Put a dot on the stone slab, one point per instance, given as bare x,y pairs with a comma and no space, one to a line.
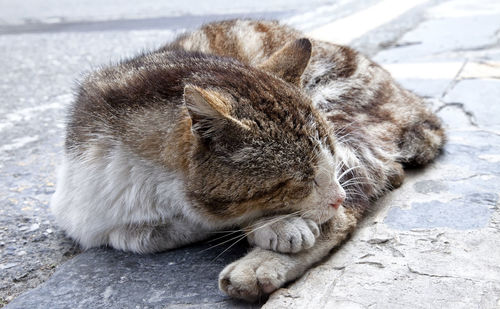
427,79
437,38
479,97
106,278
424,87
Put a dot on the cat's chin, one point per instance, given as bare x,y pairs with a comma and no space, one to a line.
321,218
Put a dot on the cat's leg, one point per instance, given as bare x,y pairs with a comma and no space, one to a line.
153,238
421,142
287,234
262,271
396,175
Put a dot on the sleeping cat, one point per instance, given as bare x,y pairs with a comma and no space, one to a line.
376,127
163,148
286,140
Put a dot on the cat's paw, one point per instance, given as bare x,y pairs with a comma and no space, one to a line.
286,235
253,276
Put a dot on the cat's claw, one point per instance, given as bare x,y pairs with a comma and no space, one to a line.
287,235
253,276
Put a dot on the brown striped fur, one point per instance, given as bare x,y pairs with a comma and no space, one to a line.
365,107
377,126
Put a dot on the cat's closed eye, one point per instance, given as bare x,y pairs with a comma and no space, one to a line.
300,190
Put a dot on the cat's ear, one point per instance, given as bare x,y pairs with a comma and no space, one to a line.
290,61
209,110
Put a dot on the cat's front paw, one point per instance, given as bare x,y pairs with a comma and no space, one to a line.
283,234
253,276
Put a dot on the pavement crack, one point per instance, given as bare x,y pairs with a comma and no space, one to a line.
377,241
475,48
489,131
405,44
455,79
331,286
468,177
413,271
376,264
461,106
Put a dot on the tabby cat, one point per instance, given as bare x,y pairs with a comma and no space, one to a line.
376,127
241,123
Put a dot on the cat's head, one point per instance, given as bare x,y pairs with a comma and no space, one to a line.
260,148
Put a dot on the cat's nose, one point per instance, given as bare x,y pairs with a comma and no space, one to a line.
337,202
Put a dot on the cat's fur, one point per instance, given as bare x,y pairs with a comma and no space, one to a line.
378,127
166,147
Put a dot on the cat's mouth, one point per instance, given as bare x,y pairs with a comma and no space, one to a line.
336,206
337,203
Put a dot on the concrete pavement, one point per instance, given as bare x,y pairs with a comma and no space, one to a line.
432,243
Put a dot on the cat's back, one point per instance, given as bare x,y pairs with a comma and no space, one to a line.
140,96
249,41
343,84
332,67
138,83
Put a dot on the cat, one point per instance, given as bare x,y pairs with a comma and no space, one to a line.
168,146
289,141
377,128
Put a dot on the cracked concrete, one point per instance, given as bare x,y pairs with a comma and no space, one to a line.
452,120
479,99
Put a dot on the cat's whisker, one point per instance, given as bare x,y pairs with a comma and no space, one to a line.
351,194
224,231
354,178
224,242
352,182
348,170
240,237
355,186
236,231
226,234
229,248
305,213
353,190
339,167
358,180
356,193
274,220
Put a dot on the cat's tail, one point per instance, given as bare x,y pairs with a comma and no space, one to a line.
422,140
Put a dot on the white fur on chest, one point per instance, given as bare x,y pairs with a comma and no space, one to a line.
97,193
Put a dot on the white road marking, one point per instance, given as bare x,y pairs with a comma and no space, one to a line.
424,70
465,8
346,29
316,17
